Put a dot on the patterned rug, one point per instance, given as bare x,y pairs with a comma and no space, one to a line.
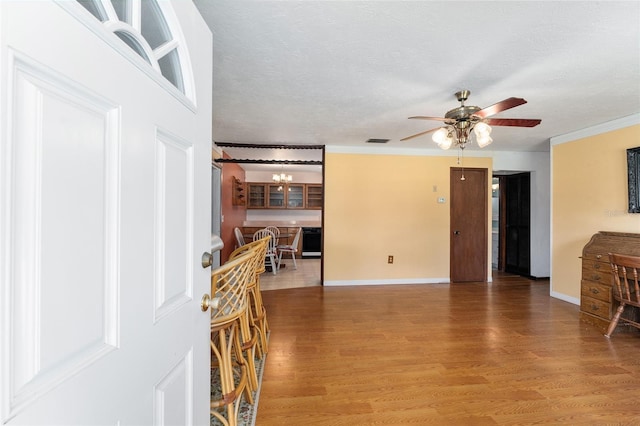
247,412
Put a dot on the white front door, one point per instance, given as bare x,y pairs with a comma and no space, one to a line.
105,205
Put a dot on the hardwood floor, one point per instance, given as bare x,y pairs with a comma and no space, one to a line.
463,354
307,275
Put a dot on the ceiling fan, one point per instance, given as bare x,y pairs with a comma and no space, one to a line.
460,121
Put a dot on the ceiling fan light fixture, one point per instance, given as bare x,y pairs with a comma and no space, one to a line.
482,128
443,138
447,143
483,140
461,120
482,131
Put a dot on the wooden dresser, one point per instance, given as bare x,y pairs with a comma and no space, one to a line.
596,300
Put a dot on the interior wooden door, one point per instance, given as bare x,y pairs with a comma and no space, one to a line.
468,242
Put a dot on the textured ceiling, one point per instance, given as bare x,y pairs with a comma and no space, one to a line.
341,72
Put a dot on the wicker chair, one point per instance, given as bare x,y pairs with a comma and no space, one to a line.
249,329
256,308
229,308
626,287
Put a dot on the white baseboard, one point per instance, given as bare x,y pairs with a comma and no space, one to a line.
342,283
564,297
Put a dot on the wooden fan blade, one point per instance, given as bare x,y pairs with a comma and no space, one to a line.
419,134
422,117
516,122
499,107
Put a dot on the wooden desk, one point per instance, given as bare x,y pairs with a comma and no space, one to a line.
596,299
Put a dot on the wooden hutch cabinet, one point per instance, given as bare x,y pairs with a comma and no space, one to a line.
262,195
597,305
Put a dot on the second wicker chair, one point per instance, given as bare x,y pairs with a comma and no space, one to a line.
256,307
228,316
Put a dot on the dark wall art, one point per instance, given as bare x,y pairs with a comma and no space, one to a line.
633,168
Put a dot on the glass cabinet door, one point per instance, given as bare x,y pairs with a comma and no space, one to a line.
257,196
295,196
276,196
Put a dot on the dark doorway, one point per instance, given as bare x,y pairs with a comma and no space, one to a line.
468,246
517,223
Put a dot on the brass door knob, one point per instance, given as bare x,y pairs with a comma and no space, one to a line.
208,302
204,303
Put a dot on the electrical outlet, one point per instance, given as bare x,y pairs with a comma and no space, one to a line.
390,259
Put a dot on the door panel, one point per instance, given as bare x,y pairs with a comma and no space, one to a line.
469,217
104,211
55,247
173,230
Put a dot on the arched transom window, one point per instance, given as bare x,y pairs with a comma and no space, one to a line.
142,26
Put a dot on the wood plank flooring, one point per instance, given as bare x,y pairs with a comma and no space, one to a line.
306,275
504,353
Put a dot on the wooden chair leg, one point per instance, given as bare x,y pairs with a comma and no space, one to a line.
614,320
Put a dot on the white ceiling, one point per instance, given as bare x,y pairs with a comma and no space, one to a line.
341,72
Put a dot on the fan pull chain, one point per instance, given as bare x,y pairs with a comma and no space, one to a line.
461,161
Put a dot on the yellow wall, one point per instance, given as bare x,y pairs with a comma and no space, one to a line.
589,184
380,205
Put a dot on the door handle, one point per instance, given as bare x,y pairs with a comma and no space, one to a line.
207,259
207,302
456,232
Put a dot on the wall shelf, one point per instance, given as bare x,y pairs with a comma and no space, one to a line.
238,197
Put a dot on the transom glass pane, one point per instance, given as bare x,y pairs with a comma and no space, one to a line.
170,68
95,8
133,44
153,26
121,8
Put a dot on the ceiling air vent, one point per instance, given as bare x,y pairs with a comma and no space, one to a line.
377,140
